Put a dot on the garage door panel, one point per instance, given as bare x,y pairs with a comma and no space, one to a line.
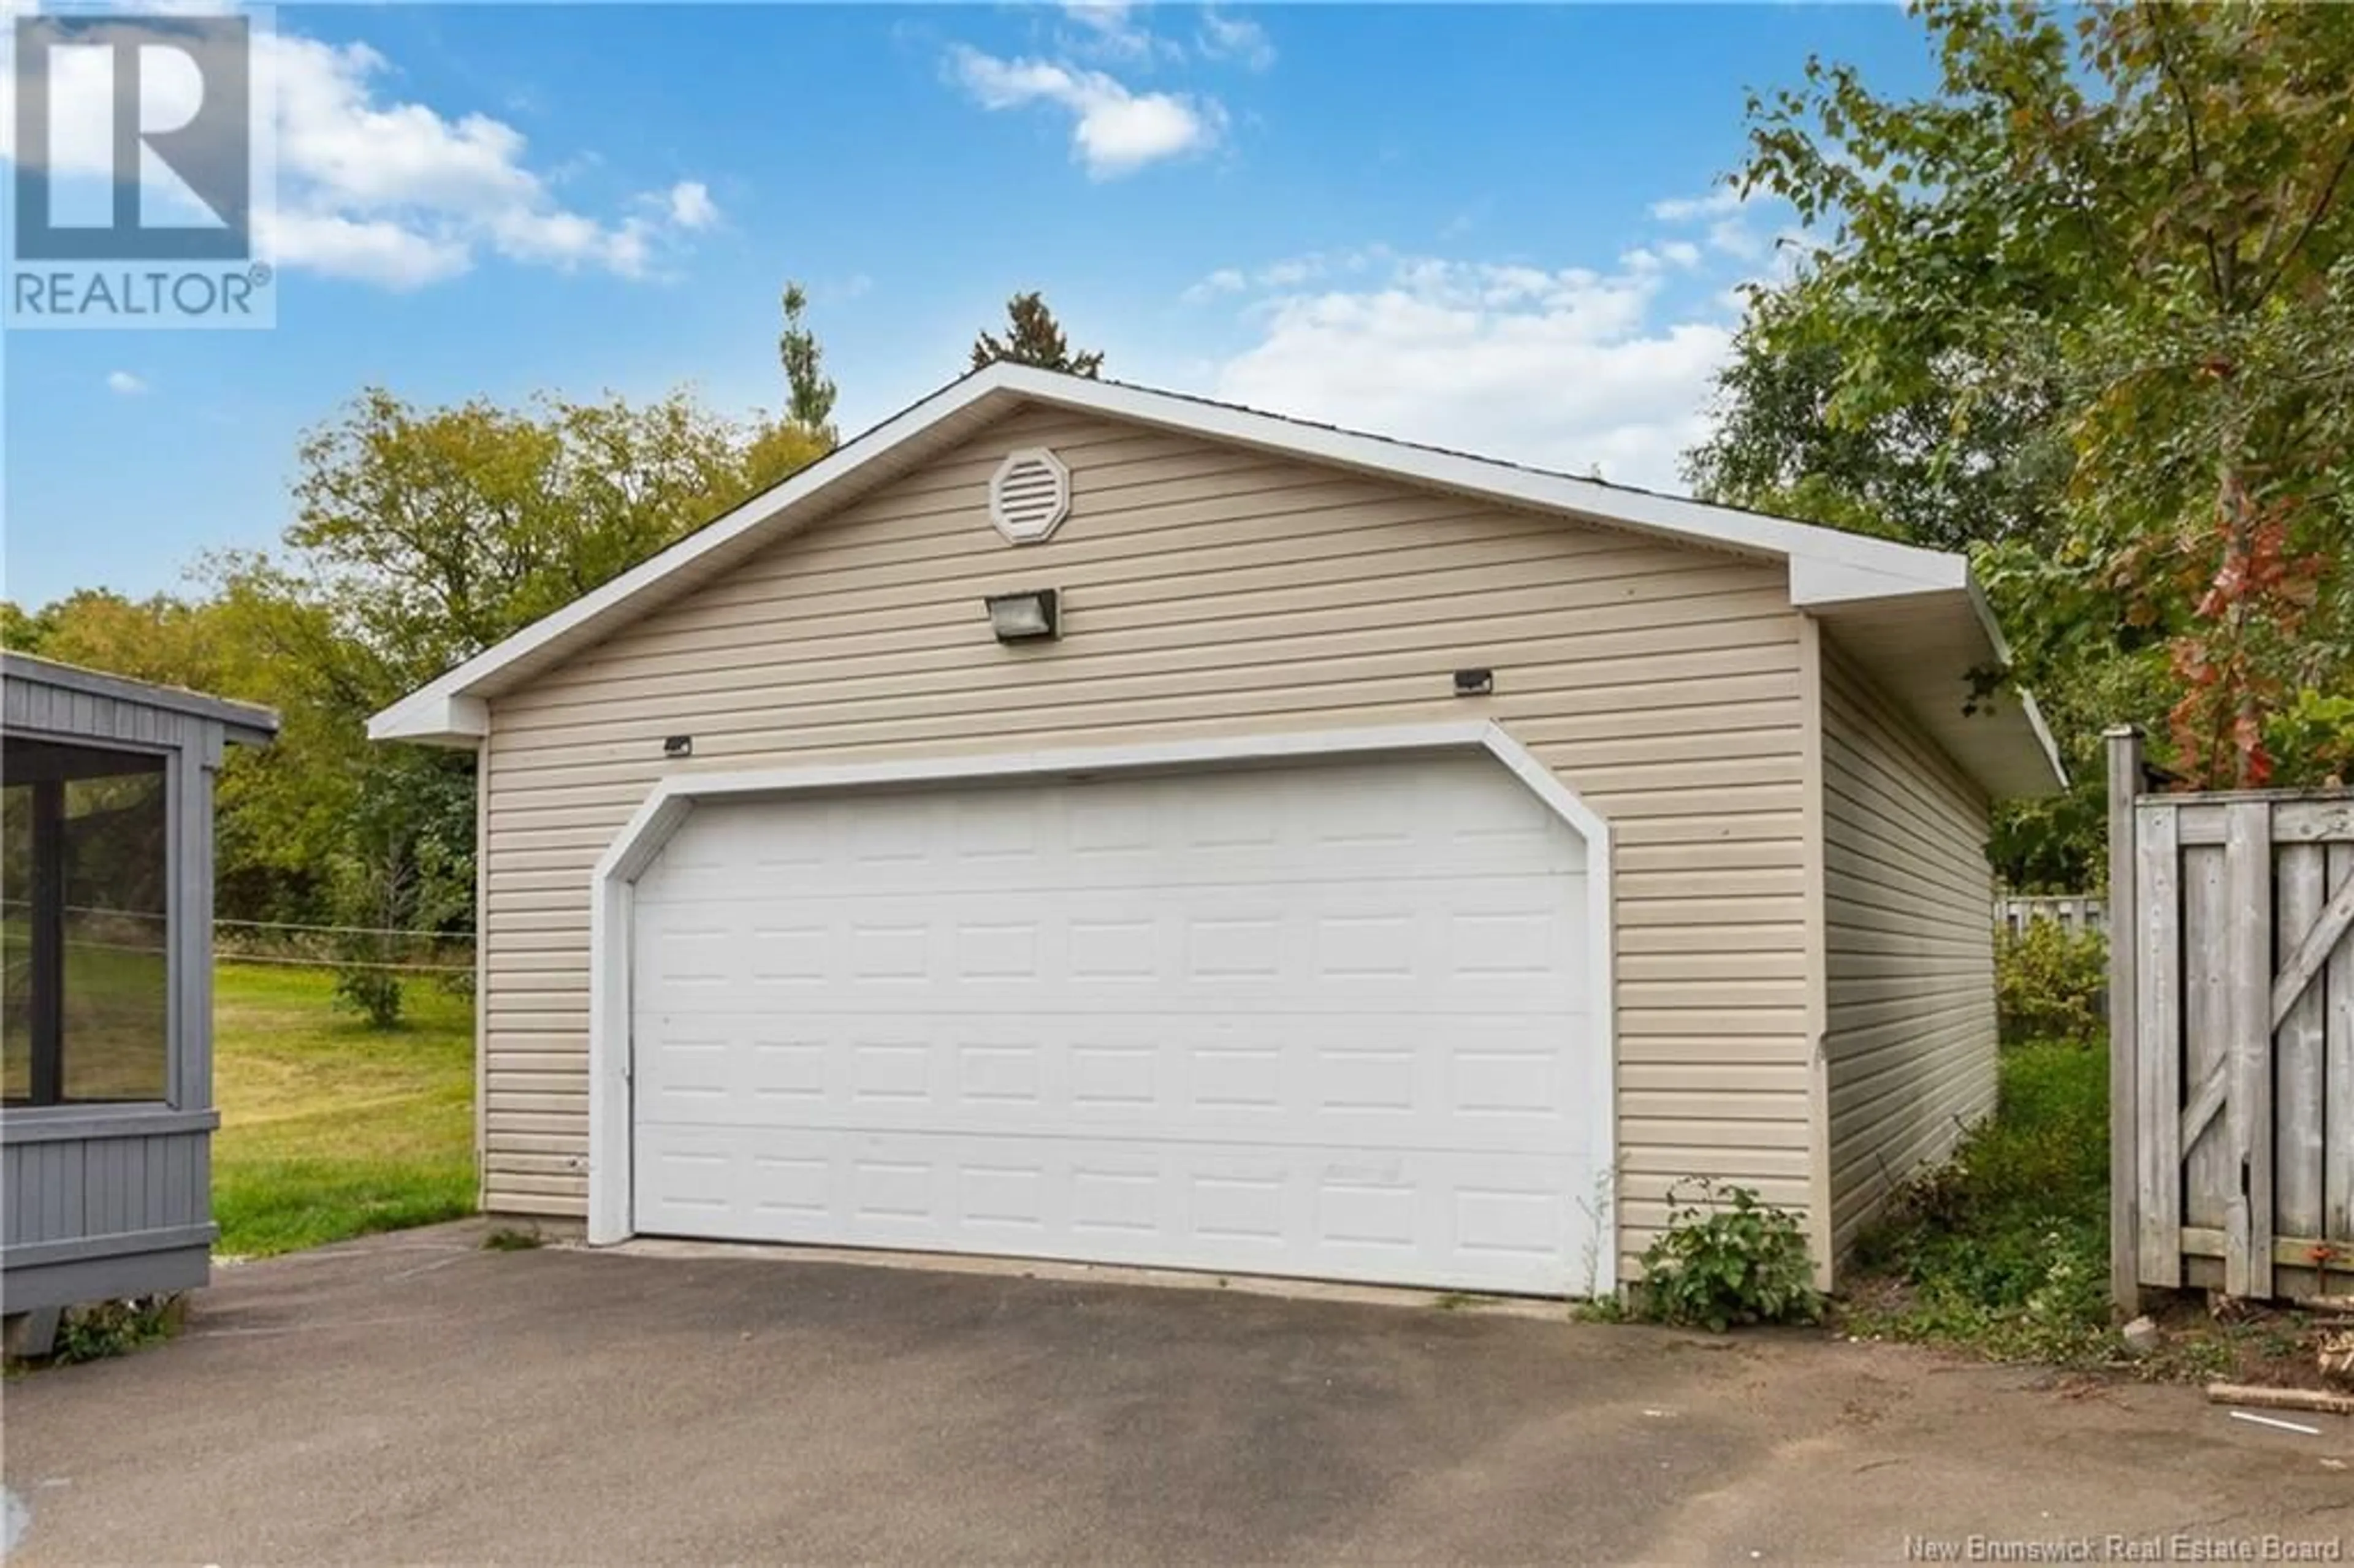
1471,945
1366,1080
1235,829
1328,1020
1237,867
1450,1219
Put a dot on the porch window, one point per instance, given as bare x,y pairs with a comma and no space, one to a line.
85,877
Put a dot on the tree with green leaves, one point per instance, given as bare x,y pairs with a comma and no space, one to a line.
421,536
436,532
1033,338
22,630
2088,307
809,394
424,536
1914,469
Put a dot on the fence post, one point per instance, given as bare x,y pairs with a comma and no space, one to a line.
2125,778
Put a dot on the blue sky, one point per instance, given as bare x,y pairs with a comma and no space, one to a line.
1489,228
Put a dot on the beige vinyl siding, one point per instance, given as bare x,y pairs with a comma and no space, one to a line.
1909,941
1212,589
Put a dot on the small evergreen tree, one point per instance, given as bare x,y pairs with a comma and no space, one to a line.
811,404
1033,338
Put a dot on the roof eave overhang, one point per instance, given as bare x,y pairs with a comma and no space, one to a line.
1932,650
431,717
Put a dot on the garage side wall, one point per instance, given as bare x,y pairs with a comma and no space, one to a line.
1909,947
1209,589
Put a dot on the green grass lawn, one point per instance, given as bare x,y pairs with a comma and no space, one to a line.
330,1129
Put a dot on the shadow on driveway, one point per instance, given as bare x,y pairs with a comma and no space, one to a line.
412,1397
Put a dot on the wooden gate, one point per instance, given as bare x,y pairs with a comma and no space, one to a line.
2231,1003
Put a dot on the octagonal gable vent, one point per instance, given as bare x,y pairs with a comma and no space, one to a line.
1029,495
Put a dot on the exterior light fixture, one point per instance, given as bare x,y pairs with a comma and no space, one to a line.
1474,683
1031,616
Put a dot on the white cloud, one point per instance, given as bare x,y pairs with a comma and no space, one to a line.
1224,281
1683,209
1736,237
372,251
691,206
123,384
1109,29
1229,37
1731,220
1114,131
386,191
1567,368
1682,252
1289,272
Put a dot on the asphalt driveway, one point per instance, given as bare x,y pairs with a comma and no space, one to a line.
414,1398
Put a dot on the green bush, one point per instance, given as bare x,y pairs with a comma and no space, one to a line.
103,1329
1736,1260
373,993
2051,982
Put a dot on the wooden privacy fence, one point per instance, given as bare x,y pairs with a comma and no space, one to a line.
2072,912
2231,1037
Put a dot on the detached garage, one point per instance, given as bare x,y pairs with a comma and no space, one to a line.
1074,821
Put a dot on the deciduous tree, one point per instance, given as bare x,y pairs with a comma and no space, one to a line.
2117,243
421,536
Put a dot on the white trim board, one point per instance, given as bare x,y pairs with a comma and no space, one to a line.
658,817
1827,566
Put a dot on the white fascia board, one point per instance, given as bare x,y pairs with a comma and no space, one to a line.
1985,612
1824,577
433,717
1826,565
2002,646
2043,736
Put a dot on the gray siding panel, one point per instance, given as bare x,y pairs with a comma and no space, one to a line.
111,1200
156,1168
71,1188
151,1272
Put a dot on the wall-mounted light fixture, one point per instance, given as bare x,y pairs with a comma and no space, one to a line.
1474,683
678,746
1032,615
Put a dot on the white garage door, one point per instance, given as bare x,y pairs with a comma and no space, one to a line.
1329,1020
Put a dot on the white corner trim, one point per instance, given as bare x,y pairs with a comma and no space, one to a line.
1827,565
672,801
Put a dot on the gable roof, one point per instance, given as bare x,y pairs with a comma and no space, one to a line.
1879,597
